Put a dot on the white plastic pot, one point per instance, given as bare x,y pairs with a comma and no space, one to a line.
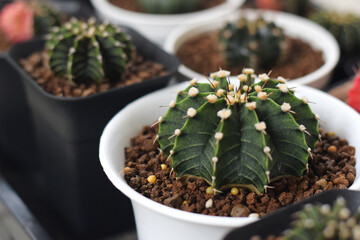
157,221
294,26
345,6
157,26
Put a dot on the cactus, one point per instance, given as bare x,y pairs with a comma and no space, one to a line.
88,52
344,27
257,44
246,136
325,222
21,21
298,7
169,6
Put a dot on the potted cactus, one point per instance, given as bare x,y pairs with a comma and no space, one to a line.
79,77
160,17
213,44
224,150
298,7
329,215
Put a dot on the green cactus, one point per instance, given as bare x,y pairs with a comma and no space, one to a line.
298,7
169,6
324,222
344,27
245,137
88,52
257,44
45,17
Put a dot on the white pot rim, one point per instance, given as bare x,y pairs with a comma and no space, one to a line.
111,10
174,41
218,221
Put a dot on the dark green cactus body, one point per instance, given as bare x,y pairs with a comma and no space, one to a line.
298,7
244,137
88,52
257,44
344,27
169,6
325,222
45,17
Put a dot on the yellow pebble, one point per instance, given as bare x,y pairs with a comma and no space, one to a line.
151,179
126,169
332,149
163,166
331,133
234,191
209,190
185,202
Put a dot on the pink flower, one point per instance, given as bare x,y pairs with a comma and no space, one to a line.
270,4
16,21
354,93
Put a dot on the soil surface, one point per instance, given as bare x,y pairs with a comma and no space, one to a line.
202,54
132,5
332,167
5,43
37,66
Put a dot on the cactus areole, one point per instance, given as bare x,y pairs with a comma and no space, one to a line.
88,52
245,136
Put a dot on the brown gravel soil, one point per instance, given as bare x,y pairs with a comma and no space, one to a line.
332,166
132,5
37,66
5,43
201,53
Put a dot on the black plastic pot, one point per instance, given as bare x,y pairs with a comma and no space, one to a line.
279,221
67,133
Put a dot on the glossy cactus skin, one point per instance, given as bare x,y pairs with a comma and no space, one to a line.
169,6
257,44
325,222
344,27
244,137
89,52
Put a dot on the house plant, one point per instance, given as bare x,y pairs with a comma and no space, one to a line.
277,223
198,226
156,27
67,129
293,26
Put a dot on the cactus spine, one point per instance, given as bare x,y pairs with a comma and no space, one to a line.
88,52
246,136
169,6
325,222
257,44
344,27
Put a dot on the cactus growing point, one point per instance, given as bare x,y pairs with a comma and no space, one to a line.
88,52
256,44
242,136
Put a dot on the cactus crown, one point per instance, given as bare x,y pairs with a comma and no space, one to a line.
325,222
257,44
246,136
344,27
169,6
88,52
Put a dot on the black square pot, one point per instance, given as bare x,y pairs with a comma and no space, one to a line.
67,133
277,222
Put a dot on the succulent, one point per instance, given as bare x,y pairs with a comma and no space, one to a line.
88,52
257,44
244,136
325,222
354,93
169,6
298,7
344,27
21,20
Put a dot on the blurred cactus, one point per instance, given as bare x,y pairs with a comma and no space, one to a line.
169,6
344,27
257,44
238,136
89,52
298,7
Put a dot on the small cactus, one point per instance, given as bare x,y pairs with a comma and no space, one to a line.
344,27
21,21
88,52
325,222
257,44
169,6
298,7
242,136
